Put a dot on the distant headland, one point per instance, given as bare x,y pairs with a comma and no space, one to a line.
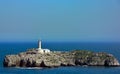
38,57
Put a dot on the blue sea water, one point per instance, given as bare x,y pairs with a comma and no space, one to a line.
16,47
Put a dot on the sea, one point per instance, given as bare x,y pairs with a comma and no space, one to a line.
7,48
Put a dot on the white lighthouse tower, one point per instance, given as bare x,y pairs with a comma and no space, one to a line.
40,50
39,45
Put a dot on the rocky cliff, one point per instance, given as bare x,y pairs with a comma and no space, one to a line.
32,58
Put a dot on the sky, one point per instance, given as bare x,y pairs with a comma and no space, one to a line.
60,20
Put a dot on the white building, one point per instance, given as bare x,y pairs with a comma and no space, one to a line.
40,50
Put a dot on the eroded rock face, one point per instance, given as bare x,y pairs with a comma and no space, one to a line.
12,60
111,62
55,59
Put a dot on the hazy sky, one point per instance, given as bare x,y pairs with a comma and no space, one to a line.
60,20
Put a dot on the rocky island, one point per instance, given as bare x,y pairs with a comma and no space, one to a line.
32,58
45,58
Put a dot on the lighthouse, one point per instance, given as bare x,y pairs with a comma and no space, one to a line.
40,50
39,44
